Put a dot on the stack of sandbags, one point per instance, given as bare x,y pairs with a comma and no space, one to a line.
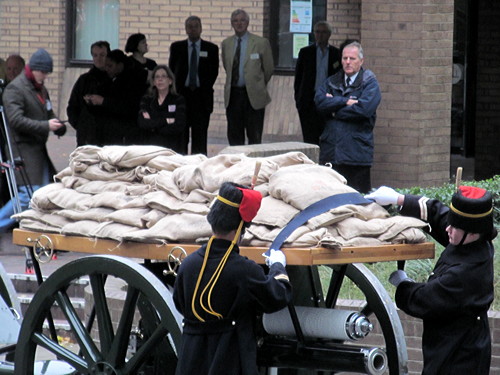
151,194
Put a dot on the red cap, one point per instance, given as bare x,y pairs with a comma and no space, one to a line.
250,204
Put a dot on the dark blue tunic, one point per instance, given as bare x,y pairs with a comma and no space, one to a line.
227,346
454,302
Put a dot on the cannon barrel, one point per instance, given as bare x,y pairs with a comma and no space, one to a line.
326,356
318,322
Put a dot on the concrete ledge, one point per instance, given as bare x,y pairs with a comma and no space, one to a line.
269,149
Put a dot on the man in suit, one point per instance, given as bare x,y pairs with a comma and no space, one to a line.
195,64
315,64
248,61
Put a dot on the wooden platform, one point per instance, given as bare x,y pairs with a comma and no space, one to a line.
294,256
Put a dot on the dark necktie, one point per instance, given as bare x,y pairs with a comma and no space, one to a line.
193,67
348,82
235,75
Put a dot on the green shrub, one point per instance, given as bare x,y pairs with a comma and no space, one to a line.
445,192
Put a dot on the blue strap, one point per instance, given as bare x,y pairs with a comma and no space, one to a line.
315,209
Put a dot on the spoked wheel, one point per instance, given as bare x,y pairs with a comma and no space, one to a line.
101,346
377,304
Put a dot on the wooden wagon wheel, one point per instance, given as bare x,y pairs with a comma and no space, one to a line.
105,349
377,304
308,291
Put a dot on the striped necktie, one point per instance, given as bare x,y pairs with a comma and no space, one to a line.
235,74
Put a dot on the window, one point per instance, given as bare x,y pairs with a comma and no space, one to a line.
291,23
90,21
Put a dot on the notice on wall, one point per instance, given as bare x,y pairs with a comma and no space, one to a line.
300,16
299,41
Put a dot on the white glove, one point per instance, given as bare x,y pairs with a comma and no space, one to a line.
384,195
275,256
397,277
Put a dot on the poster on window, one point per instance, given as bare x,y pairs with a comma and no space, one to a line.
299,41
300,16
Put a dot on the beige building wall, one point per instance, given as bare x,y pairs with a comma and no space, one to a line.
407,44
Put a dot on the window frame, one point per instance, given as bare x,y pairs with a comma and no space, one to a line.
319,13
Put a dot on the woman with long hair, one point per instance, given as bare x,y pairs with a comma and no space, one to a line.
162,114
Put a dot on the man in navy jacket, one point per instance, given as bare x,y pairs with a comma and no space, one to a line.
349,99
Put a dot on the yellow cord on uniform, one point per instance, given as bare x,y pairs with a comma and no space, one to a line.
213,280
205,258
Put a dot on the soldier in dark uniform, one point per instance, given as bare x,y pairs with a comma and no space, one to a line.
454,302
220,293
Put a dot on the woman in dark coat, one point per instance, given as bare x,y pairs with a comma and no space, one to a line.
137,46
162,115
454,302
220,293
30,118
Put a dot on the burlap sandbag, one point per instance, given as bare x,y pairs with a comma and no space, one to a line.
66,172
170,205
302,185
57,196
52,219
128,216
102,173
200,196
187,178
37,226
114,200
237,168
265,233
290,158
360,211
164,180
73,182
172,162
82,157
383,229
94,214
83,228
96,187
409,235
40,200
274,212
151,218
112,231
182,228
131,156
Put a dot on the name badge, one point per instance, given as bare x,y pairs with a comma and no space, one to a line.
203,53
48,105
254,56
171,108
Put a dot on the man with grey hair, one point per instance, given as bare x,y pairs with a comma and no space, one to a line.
248,61
195,64
315,64
349,99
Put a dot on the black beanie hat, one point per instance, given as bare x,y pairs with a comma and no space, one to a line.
42,61
471,210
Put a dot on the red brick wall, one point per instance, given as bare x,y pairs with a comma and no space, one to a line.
408,45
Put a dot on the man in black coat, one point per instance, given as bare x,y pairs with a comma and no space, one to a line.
82,115
195,63
315,64
454,301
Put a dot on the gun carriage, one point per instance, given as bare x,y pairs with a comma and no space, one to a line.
339,342
130,324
